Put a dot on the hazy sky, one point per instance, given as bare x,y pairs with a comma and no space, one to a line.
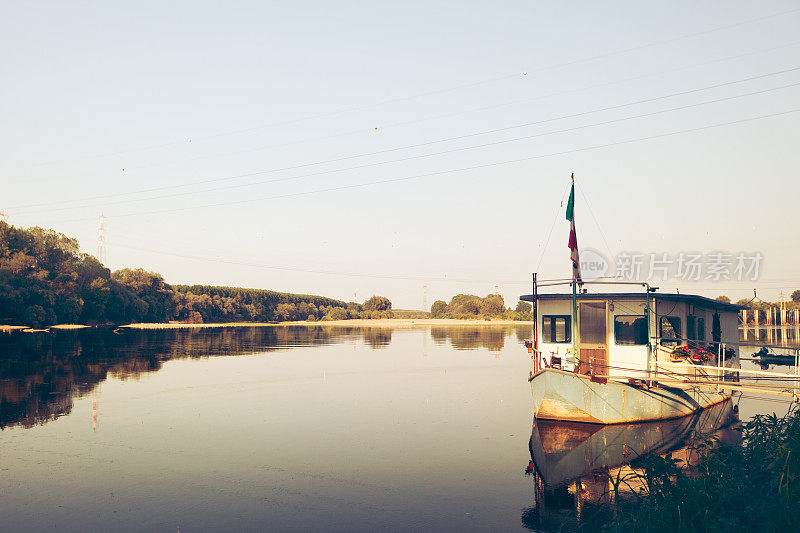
363,148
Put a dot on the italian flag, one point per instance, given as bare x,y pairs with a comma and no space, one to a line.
573,238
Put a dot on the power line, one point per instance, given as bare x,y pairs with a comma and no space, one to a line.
426,278
449,171
462,86
552,226
461,112
460,137
591,211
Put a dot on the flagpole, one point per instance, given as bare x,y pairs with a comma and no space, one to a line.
574,291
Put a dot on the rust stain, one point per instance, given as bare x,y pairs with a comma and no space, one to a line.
624,397
559,410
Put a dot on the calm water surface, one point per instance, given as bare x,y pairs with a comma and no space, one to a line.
301,428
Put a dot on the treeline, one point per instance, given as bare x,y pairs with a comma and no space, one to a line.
45,280
758,303
203,303
470,306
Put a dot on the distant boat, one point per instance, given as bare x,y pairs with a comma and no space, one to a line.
765,358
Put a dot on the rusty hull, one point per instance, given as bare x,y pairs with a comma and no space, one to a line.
567,396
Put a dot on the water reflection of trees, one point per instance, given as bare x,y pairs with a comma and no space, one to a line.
469,338
377,338
40,374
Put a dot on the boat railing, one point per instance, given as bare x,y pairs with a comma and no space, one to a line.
724,373
727,373
727,343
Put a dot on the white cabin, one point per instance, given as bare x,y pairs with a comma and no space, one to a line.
612,334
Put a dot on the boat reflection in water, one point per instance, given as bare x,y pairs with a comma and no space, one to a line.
573,464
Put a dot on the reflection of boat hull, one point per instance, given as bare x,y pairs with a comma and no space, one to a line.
563,451
561,395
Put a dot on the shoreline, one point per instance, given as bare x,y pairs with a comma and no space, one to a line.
358,322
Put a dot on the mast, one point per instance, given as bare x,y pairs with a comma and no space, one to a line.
535,312
575,321
576,269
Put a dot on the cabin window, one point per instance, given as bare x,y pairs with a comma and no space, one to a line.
630,329
691,327
701,328
670,329
556,328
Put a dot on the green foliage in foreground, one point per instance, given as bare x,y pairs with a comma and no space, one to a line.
755,487
45,280
470,306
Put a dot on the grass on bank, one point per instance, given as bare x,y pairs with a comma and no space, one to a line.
752,487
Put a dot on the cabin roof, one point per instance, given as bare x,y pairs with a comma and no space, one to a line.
685,298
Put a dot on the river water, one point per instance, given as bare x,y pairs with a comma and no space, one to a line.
282,429
272,428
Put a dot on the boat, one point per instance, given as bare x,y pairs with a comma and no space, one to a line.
627,357
610,369
764,358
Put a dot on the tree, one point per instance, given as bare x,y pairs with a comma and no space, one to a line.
286,312
438,308
464,304
338,313
378,303
723,299
523,307
492,305
151,288
796,296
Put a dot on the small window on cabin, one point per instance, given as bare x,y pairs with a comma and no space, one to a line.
691,327
670,329
556,328
701,329
630,329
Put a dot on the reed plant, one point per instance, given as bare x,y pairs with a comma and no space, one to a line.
752,487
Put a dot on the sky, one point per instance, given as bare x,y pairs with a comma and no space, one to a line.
414,150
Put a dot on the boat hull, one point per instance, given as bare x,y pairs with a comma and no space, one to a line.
561,395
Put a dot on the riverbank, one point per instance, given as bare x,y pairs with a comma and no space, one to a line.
28,329
375,323
372,323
